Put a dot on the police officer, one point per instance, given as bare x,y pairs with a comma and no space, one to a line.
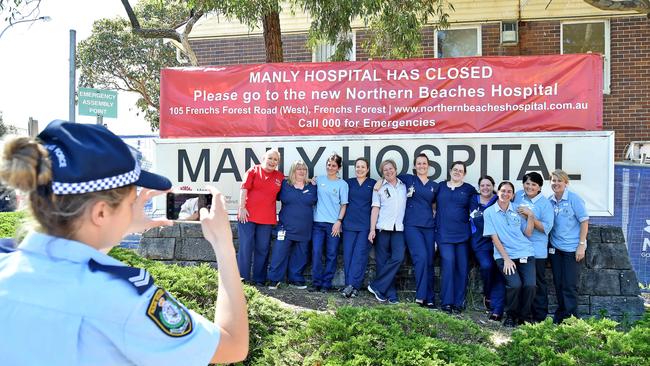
65,302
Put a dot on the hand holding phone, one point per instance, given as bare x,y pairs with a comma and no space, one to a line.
185,205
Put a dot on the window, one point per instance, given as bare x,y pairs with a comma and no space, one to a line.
588,37
458,42
324,51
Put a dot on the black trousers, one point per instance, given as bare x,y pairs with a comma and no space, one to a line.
566,272
520,289
540,302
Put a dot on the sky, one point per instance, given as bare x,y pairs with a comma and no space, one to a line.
34,64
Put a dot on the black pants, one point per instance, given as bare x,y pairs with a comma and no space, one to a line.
520,289
540,302
566,272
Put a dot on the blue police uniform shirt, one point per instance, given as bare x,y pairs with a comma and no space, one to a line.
391,201
419,201
480,242
543,211
509,227
357,214
452,213
331,195
57,310
569,212
297,210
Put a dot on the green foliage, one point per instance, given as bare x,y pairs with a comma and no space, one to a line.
578,342
395,335
6,129
9,223
196,288
394,26
115,58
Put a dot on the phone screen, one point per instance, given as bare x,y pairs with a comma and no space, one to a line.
185,206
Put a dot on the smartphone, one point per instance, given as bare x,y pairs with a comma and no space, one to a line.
185,205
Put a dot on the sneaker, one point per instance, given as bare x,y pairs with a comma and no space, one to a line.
260,284
355,293
446,308
457,310
495,317
377,294
275,285
298,286
510,322
393,301
313,288
347,291
420,303
487,303
325,289
430,305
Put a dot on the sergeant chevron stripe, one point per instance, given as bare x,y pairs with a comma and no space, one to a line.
141,279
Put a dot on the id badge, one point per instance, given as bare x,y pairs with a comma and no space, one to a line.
523,260
282,234
410,191
551,250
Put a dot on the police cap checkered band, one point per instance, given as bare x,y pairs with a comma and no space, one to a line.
90,158
97,184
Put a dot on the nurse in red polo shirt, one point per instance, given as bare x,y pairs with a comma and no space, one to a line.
257,216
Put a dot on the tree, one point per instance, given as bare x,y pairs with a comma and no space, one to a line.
15,10
641,6
394,25
6,129
115,58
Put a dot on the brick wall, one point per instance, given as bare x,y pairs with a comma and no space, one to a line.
626,109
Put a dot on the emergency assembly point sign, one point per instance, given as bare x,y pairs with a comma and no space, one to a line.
96,102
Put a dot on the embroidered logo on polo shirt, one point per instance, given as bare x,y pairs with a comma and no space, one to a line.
168,315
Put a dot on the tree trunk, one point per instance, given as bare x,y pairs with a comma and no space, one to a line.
272,37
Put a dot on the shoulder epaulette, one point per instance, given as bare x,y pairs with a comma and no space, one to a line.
7,245
139,278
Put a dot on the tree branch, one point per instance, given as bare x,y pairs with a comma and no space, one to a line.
169,33
640,6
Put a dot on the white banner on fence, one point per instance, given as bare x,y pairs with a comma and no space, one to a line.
588,157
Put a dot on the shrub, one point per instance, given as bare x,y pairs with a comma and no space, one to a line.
196,287
9,223
578,342
384,335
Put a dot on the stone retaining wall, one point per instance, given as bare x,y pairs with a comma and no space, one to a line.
608,285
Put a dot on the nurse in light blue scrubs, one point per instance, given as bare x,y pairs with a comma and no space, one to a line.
569,244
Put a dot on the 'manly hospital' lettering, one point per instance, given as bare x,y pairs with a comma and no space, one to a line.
191,168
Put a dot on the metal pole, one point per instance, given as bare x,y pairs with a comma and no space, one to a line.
100,119
73,76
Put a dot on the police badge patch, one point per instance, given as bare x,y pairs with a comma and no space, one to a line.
168,315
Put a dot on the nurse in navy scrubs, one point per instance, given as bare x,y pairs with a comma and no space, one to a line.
453,236
356,226
291,249
419,228
483,248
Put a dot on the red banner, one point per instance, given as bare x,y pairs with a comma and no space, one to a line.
474,94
